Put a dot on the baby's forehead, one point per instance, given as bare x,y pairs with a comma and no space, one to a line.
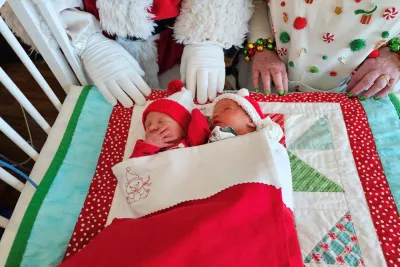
226,102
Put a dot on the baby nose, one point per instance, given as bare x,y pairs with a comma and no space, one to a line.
153,127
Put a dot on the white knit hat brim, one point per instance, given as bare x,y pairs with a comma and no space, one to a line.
184,98
246,105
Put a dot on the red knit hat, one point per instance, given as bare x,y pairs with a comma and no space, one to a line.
178,106
252,108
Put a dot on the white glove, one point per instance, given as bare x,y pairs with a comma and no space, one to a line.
114,71
203,67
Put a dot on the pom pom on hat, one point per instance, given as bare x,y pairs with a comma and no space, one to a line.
174,86
178,106
243,92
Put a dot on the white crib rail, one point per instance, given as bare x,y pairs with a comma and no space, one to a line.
27,14
11,180
59,65
8,35
18,140
16,92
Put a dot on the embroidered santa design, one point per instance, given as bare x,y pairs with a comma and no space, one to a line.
136,188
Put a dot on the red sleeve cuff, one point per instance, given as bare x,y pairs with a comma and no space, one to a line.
144,149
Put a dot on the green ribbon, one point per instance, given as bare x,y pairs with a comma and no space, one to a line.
368,12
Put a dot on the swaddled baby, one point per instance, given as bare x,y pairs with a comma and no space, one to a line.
239,114
172,123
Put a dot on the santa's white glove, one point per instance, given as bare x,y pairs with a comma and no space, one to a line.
114,71
203,70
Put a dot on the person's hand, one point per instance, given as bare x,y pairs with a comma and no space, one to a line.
161,138
203,70
114,71
269,66
377,76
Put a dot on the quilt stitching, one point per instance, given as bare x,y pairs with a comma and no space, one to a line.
18,248
376,189
338,246
93,215
307,179
318,137
367,163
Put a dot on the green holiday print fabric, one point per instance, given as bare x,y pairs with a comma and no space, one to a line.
307,179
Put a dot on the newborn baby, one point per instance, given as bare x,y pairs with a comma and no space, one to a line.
239,114
171,123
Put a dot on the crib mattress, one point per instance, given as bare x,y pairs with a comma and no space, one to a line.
345,160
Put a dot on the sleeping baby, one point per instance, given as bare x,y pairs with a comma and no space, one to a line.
172,123
239,114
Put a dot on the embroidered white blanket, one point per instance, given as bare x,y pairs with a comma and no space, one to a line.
153,183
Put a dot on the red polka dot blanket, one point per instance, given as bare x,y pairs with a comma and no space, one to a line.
345,213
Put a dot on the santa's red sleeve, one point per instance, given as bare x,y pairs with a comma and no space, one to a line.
144,149
223,22
198,131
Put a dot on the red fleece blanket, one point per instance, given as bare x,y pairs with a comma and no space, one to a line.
245,225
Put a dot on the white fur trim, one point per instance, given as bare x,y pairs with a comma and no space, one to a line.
145,53
126,17
243,92
184,98
223,22
273,130
246,105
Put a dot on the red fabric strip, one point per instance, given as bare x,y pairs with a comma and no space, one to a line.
227,229
376,188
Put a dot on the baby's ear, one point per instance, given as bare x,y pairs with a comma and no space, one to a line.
251,125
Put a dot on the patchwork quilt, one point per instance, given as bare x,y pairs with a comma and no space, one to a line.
345,161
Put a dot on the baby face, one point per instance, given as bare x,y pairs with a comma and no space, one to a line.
229,113
164,125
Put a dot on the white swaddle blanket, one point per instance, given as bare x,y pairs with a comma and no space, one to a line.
153,183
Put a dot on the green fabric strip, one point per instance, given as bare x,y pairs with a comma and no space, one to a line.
24,231
307,179
396,103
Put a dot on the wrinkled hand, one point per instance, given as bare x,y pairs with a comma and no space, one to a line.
203,70
267,64
377,76
114,71
161,138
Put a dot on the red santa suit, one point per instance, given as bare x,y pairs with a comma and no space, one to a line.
180,107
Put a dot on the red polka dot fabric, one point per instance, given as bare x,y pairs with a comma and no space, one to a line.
382,207
376,188
94,213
